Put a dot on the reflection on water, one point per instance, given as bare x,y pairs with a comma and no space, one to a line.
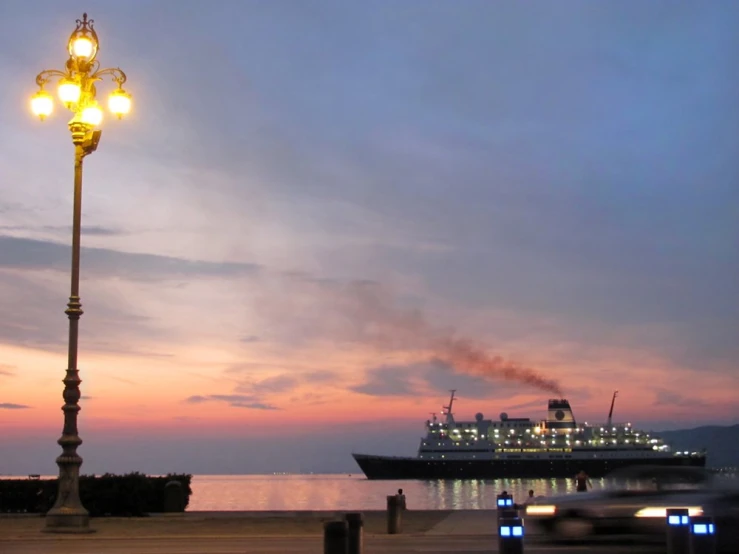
355,492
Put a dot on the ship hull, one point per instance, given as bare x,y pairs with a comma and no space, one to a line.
392,467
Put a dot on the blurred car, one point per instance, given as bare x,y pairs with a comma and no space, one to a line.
637,505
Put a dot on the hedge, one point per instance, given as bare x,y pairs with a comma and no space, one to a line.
133,494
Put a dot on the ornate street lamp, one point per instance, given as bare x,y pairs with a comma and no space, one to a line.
77,91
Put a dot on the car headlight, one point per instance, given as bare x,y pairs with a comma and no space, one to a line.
662,512
540,510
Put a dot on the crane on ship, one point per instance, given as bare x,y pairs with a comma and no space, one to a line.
447,410
610,413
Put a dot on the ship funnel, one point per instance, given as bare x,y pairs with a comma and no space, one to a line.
560,415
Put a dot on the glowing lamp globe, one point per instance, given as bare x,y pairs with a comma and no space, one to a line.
42,104
92,115
69,92
82,47
83,43
119,103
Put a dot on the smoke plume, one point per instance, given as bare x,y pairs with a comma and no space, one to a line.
466,356
366,312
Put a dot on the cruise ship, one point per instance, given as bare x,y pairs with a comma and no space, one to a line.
557,446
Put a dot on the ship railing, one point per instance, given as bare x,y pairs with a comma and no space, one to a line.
604,425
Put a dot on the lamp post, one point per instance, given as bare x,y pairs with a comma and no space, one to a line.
77,91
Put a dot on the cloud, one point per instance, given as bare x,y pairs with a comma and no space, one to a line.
118,348
388,381
197,399
109,324
120,379
270,385
12,208
98,230
309,399
255,390
249,339
234,400
66,230
432,377
11,406
319,376
32,254
7,370
29,300
250,366
284,382
255,406
664,397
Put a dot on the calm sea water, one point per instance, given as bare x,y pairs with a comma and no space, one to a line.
346,492
355,492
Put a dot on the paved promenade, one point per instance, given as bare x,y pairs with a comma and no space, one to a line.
458,532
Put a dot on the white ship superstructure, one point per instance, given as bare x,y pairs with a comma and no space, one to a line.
557,446
559,436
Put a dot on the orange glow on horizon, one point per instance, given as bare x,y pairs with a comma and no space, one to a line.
137,392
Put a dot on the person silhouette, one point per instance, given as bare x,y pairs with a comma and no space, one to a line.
401,499
582,481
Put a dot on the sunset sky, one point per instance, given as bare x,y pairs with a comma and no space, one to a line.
319,212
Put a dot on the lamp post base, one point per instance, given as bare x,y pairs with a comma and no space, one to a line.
68,521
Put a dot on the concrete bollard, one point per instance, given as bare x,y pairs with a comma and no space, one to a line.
355,538
393,515
678,531
504,500
506,508
335,537
510,535
174,497
702,535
